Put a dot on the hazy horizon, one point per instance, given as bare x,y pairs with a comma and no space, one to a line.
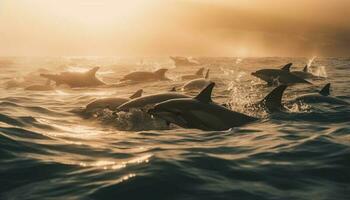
175,27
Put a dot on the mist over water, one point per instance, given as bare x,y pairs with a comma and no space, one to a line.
185,27
49,152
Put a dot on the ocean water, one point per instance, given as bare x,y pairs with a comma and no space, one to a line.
49,152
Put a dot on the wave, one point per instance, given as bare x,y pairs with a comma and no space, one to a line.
48,152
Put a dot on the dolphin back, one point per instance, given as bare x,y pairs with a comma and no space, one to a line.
207,74
161,73
137,94
92,72
200,71
144,101
273,101
325,90
305,69
287,67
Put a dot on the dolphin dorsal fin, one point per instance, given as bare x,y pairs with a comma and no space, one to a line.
161,72
173,89
205,94
325,90
92,72
305,68
207,74
137,94
200,71
273,101
287,67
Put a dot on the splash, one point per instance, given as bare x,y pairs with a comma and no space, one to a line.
77,69
238,61
320,71
241,101
311,61
134,120
298,107
233,74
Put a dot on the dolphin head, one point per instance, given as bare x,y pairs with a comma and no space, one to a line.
262,74
171,111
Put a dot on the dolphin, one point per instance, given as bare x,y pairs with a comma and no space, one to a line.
150,100
305,74
183,61
198,74
111,103
282,76
199,113
146,76
197,84
76,79
321,97
272,102
36,87
14,83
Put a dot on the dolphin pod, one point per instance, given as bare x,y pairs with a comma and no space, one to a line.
111,103
273,101
323,96
76,79
200,113
280,76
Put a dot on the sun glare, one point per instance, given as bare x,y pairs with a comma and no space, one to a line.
165,27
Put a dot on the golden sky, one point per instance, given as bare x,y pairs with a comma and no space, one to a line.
175,27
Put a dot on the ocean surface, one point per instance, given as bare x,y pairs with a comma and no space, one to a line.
49,152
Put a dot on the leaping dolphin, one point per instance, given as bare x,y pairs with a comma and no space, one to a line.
111,103
76,79
198,74
200,113
282,76
146,76
197,84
